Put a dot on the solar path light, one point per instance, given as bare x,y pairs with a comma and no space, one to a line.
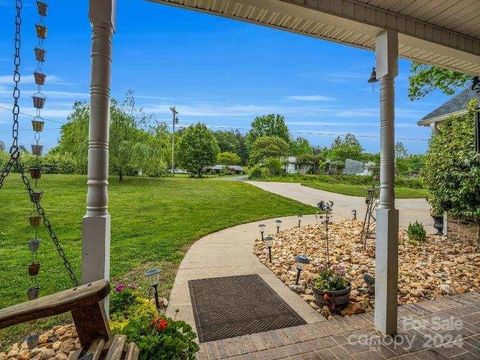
301,260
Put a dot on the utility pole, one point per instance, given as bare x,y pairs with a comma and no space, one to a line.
174,122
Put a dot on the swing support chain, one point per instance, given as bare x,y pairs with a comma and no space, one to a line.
15,150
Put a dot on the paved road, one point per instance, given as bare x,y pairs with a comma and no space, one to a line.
411,210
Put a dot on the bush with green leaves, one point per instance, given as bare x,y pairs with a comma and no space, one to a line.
162,338
416,233
228,158
274,166
452,171
255,173
157,336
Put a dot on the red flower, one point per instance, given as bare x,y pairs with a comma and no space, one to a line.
160,324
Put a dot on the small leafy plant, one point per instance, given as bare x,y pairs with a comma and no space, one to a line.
157,336
122,298
416,233
331,279
162,338
255,173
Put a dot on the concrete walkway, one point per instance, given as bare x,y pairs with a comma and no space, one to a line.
229,252
411,210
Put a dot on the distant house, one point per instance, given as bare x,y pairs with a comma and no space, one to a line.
292,166
231,169
457,105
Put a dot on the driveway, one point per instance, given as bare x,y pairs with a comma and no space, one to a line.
411,210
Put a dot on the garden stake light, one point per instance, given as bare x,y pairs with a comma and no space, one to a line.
279,223
299,217
354,213
301,260
154,276
269,243
262,230
326,207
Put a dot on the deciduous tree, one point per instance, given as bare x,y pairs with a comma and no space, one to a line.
268,147
268,125
198,149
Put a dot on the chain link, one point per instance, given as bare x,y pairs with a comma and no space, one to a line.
15,150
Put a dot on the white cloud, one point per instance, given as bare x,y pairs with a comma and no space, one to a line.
312,98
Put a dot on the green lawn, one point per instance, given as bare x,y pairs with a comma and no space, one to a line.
154,221
350,185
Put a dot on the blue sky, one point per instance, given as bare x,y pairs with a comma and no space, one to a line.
215,70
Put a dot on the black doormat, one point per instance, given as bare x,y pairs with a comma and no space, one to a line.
238,305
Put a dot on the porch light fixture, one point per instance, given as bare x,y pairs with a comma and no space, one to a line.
154,276
279,223
262,230
301,260
299,217
373,78
269,244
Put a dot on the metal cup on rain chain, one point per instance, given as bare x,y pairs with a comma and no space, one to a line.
41,31
38,124
33,292
39,78
37,150
35,173
35,220
33,269
42,8
38,100
39,54
33,245
36,196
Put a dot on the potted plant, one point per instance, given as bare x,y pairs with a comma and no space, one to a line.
330,288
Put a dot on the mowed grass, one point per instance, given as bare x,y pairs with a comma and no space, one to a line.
340,187
154,221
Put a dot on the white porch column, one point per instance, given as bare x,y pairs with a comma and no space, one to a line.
386,255
96,222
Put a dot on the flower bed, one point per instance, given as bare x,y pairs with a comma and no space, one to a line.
436,267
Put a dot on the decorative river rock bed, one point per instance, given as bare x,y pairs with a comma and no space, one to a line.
437,267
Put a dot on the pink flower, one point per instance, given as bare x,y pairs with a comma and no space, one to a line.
119,288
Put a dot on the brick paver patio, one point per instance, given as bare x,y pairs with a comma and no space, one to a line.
446,328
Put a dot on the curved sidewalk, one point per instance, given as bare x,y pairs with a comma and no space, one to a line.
410,210
229,252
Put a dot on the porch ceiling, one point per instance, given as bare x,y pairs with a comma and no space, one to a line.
439,32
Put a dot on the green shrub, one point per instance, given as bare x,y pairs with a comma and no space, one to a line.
255,173
162,338
451,173
157,336
274,166
416,233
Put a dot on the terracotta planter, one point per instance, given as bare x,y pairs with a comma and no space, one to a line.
33,245
37,125
33,269
41,31
32,341
438,224
39,78
42,8
36,196
335,300
38,101
33,292
39,54
35,173
35,220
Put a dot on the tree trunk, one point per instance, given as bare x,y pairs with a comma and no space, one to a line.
120,176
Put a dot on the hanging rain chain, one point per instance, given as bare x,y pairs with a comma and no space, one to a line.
38,215
35,171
